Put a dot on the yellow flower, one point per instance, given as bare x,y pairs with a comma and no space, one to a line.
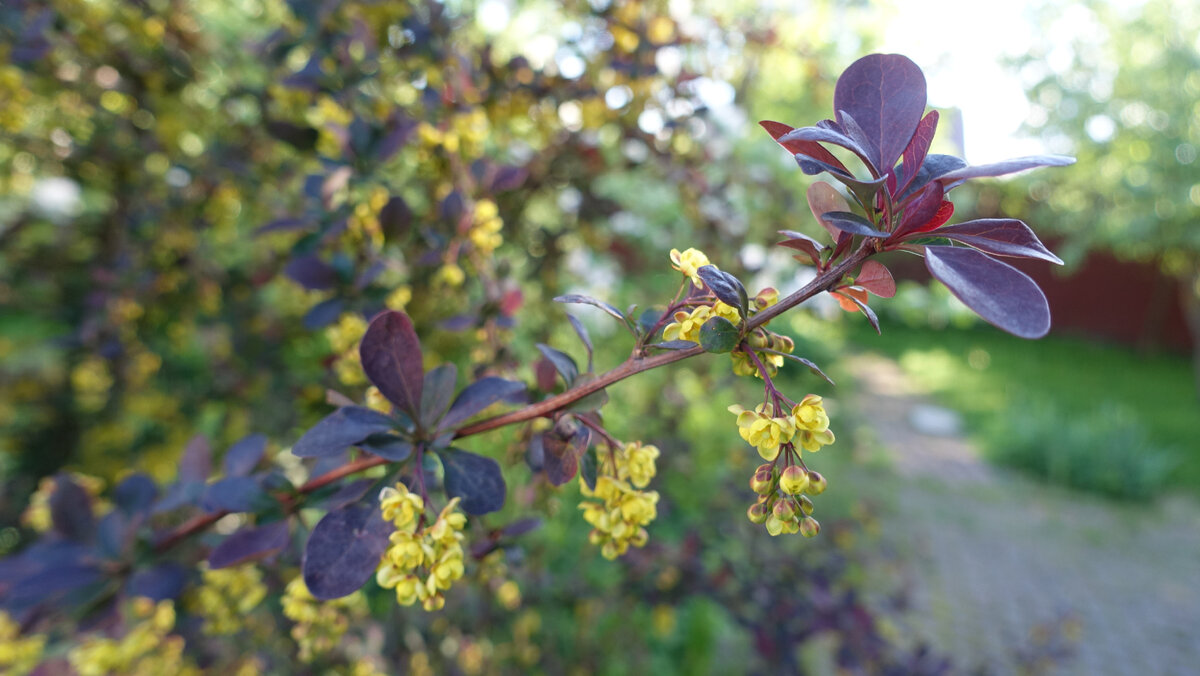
813,441
638,465
401,507
810,415
762,430
687,325
688,263
729,312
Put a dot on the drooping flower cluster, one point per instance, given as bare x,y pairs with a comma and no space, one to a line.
319,625
226,596
147,649
422,561
622,510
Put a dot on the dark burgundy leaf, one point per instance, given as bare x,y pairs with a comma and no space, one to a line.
509,178
877,279
726,287
805,244
388,447
1006,167
521,527
476,397
233,494
581,331
852,223
864,189
825,135
398,131
437,392
810,148
920,209
1001,294
344,549
885,94
159,582
391,358
451,208
872,319
71,510
244,456
561,463
349,493
934,166
323,314
475,479
311,272
135,494
250,544
395,217
1001,237
562,362
588,300
850,127
918,147
344,427
196,463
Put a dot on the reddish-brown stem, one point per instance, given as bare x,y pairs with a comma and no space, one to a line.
634,365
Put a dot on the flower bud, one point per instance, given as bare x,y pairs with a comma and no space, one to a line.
809,527
758,512
806,505
766,298
757,340
816,484
761,481
784,510
785,343
794,480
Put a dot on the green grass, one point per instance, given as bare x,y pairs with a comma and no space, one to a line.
988,376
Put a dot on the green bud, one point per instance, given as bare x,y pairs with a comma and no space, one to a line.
806,505
809,527
786,344
758,512
762,480
756,339
794,480
784,510
816,484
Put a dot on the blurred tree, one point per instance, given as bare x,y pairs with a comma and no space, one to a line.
1122,95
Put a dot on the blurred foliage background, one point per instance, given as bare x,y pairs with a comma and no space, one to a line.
202,201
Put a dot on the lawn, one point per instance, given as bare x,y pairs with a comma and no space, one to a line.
1002,385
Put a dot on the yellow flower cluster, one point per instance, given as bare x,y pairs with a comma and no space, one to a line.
343,339
147,649
37,515
18,654
320,625
421,562
812,424
622,512
485,232
689,262
807,425
687,324
226,596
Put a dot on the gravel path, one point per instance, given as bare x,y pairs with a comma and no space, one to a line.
1003,569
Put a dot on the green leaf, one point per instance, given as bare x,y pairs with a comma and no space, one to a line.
719,335
591,402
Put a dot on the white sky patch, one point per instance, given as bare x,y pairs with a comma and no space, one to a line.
961,47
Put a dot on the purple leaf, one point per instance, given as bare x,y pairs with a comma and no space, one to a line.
71,510
478,396
725,287
509,178
1006,167
250,544
244,455
521,527
344,549
872,319
233,494
391,358
475,479
856,133
436,393
395,217
921,208
812,167
562,363
885,95
581,331
180,493
559,460
1000,236
935,165
311,272
918,147
135,493
284,224
852,223
388,447
825,135
801,242
349,493
323,313
580,299
159,582
810,148
1001,294
344,427
196,463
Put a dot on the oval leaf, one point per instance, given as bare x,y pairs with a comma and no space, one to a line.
243,456
344,427
719,335
777,130
726,287
159,582
250,544
563,363
1001,294
233,494
1006,167
1000,236
344,549
885,95
475,479
877,279
824,198
478,396
135,494
918,147
852,223
436,393
391,358
71,510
